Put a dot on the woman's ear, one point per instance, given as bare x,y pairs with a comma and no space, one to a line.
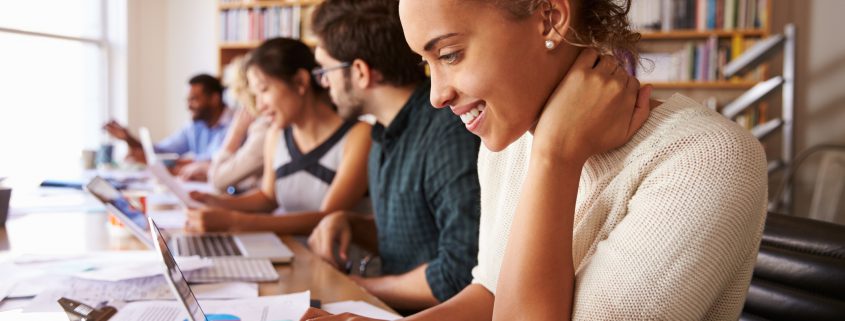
556,17
302,81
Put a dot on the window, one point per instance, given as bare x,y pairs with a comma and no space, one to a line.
53,80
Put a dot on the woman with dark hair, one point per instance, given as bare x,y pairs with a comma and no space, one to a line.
314,160
593,206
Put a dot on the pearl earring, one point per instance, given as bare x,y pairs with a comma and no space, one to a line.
550,44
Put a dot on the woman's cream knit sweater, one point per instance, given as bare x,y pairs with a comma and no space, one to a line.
667,227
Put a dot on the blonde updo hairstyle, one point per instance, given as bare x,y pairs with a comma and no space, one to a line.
237,84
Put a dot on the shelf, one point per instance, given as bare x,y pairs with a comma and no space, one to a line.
239,45
267,3
704,85
254,44
696,34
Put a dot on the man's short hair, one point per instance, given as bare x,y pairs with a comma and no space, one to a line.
369,30
210,84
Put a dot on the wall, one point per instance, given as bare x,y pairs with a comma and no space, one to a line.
168,42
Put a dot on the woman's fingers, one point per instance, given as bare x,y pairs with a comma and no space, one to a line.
642,109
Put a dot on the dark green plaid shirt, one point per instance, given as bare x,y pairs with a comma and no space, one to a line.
424,187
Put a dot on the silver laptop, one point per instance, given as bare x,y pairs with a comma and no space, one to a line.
216,245
177,281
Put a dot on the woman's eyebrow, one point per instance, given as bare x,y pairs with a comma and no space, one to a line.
433,42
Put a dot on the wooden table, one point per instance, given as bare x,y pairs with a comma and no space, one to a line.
86,232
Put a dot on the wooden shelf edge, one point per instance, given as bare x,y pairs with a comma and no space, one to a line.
696,34
254,44
239,45
703,85
266,3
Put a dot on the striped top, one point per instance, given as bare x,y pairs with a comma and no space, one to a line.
303,179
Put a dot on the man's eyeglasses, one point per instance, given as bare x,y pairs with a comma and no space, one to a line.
320,73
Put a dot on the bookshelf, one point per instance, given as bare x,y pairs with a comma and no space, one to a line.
693,47
686,44
244,24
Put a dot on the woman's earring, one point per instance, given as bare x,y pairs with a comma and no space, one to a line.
550,44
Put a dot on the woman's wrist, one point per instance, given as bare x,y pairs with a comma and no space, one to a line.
559,153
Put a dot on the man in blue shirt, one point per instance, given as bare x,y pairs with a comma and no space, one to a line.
199,140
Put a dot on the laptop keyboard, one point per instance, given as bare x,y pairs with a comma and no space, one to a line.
235,269
207,245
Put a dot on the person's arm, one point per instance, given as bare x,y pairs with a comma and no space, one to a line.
136,151
407,291
195,171
176,142
258,200
346,191
473,303
254,201
453,195
349,185
591,111
233,164
119,132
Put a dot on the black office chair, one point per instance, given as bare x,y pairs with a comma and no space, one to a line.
800,272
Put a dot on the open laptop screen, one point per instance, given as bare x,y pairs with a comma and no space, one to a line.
107,194
174,275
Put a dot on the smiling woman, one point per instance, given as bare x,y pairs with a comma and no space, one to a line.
584,215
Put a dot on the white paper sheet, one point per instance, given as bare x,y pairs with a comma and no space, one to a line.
361,308
288,307
169,219
160,172
152,288
6,287
141,267
225,290
21,282
104,266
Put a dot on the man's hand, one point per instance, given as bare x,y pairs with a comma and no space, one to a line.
319,315
333,229
196,171
212,219
117,131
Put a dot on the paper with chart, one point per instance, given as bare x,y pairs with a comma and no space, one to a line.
151,288
288,307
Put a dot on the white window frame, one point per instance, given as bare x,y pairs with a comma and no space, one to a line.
103,44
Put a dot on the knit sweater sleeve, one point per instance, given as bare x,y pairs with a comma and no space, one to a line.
693,222
231,168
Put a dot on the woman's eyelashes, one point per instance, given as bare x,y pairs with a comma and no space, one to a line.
450,58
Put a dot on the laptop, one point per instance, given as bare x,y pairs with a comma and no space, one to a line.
262,245
178,283
162,174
